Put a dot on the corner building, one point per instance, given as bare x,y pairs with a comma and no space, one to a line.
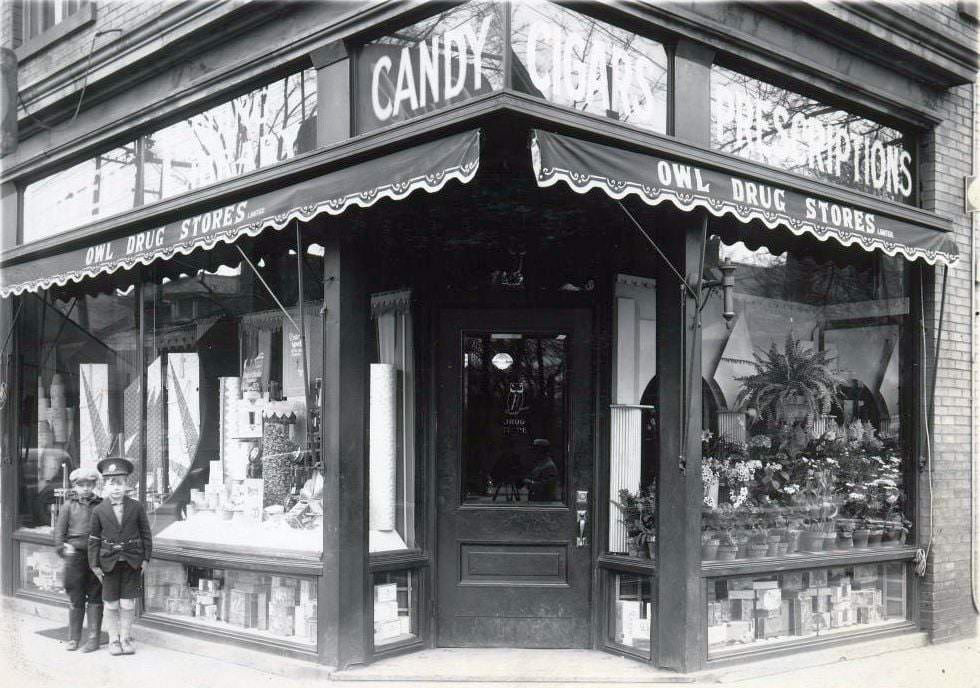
632,327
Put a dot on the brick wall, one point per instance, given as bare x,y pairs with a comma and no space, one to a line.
947,612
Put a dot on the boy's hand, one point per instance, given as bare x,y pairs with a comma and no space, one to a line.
68,549
143,565
98,573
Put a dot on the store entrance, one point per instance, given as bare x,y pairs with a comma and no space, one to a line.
515,476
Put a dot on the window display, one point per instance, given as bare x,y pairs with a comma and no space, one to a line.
631,611
232,455
41,570
810,452
80,393
744,613
395,602
259,604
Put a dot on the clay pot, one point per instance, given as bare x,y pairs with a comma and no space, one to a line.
811,542
782,549
829,542
757,550
709,549
860,538
874,537
727,552
792,541
845,541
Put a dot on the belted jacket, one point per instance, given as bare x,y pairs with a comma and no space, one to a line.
74,524
109,540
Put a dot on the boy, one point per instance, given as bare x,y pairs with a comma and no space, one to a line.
71,543
119,549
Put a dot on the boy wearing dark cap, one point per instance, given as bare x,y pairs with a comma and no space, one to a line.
71,543
119,548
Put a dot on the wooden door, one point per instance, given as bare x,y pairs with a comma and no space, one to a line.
514,471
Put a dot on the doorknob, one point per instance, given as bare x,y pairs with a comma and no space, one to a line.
581,521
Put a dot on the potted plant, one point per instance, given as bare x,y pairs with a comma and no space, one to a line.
727,549
638,514
709,545
795,376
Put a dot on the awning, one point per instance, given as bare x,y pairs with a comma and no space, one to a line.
585,165
428,166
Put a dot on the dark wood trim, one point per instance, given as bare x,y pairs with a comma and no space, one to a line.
82,17
214,558
396,561
281,647
58,600
806,644
792,562
618,562
470,114
9,443
36,538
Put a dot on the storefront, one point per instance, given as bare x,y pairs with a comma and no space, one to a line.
529,326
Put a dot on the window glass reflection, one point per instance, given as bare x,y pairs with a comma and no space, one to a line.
89,191
574,60
514,418
266,126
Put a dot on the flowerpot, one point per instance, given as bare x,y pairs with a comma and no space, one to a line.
709,550
891,537
860,538
845,541
874,538
727,552
793,541
782,548
633,550
757,551
808,542
771,549
652,548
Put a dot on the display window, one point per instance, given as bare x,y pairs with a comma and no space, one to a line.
232,461
41,570
395,607
810,451
631,611
80,393
263,606
747,613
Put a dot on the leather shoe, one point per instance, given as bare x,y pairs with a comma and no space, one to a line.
127,646
115,648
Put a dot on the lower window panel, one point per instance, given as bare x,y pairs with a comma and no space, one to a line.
754,612
41,570
395,604
262,605
631,611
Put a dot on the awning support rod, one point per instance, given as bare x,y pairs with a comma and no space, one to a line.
269,289
659,252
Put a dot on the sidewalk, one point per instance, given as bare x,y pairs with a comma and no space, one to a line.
36,661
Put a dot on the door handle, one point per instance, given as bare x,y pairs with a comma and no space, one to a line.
581,521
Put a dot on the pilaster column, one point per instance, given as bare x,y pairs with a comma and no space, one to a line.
333,93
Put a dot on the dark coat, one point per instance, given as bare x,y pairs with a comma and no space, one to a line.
74,524
109,541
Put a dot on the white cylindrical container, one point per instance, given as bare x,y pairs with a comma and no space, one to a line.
383,445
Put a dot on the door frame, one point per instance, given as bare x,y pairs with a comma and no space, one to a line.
426,337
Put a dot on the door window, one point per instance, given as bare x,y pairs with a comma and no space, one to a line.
514,446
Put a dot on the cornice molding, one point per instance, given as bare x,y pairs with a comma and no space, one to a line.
883,35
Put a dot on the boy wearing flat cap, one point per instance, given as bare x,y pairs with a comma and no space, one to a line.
71,543
119,547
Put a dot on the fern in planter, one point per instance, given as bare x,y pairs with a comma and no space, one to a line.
791,376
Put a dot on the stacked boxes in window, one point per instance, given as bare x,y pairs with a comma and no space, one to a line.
387,621
283,597
305,615
165,589
43,571
867,601
768,609
207,599
246,600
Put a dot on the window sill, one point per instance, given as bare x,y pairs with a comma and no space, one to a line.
82,17
392,561
168,622
216,559
805,560
618,562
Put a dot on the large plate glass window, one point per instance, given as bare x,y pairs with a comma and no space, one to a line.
813,404
446,59
571,59
760,121
228,460
80,393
